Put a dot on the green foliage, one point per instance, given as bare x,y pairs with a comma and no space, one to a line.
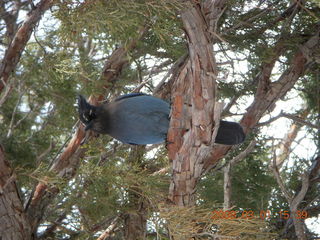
251,183
116,21
66,56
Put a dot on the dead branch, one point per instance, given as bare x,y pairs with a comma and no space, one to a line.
243,154
14,112
154,70
45,152
50,229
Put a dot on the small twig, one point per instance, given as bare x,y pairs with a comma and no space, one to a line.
227,108
162,171
289,116
45,152
175,66
51,228
276,174
244,153
5,95
11,126
109,230
300,120
154,70
240,156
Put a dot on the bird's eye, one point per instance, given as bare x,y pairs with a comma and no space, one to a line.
85,117
92,114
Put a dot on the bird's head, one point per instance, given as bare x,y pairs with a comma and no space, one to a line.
87,112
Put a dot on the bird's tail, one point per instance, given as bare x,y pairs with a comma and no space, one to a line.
230,133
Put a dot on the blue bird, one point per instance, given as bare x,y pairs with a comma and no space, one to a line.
141,119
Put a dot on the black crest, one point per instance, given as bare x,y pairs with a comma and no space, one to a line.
86,111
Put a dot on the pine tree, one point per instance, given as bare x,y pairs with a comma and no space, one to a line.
59,182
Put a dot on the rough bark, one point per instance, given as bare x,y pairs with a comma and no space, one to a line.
191,134
136,224
22,36
13,221
135,219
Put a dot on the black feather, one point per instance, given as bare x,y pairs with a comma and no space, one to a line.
230,133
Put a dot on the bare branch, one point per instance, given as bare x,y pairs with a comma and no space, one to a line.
173,69
49,230
300,196
109,230
295,118
11,125
154,70
243,154
300,120
276,173
227,184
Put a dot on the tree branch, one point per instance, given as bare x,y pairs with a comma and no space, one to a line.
109,230
276,174
22,36
16,224
67,163
268,93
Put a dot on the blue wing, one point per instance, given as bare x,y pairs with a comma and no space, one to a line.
139,119
129,95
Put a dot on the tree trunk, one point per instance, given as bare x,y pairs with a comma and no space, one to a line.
191,134
13,221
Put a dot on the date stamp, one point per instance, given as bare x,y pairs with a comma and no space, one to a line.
262,214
